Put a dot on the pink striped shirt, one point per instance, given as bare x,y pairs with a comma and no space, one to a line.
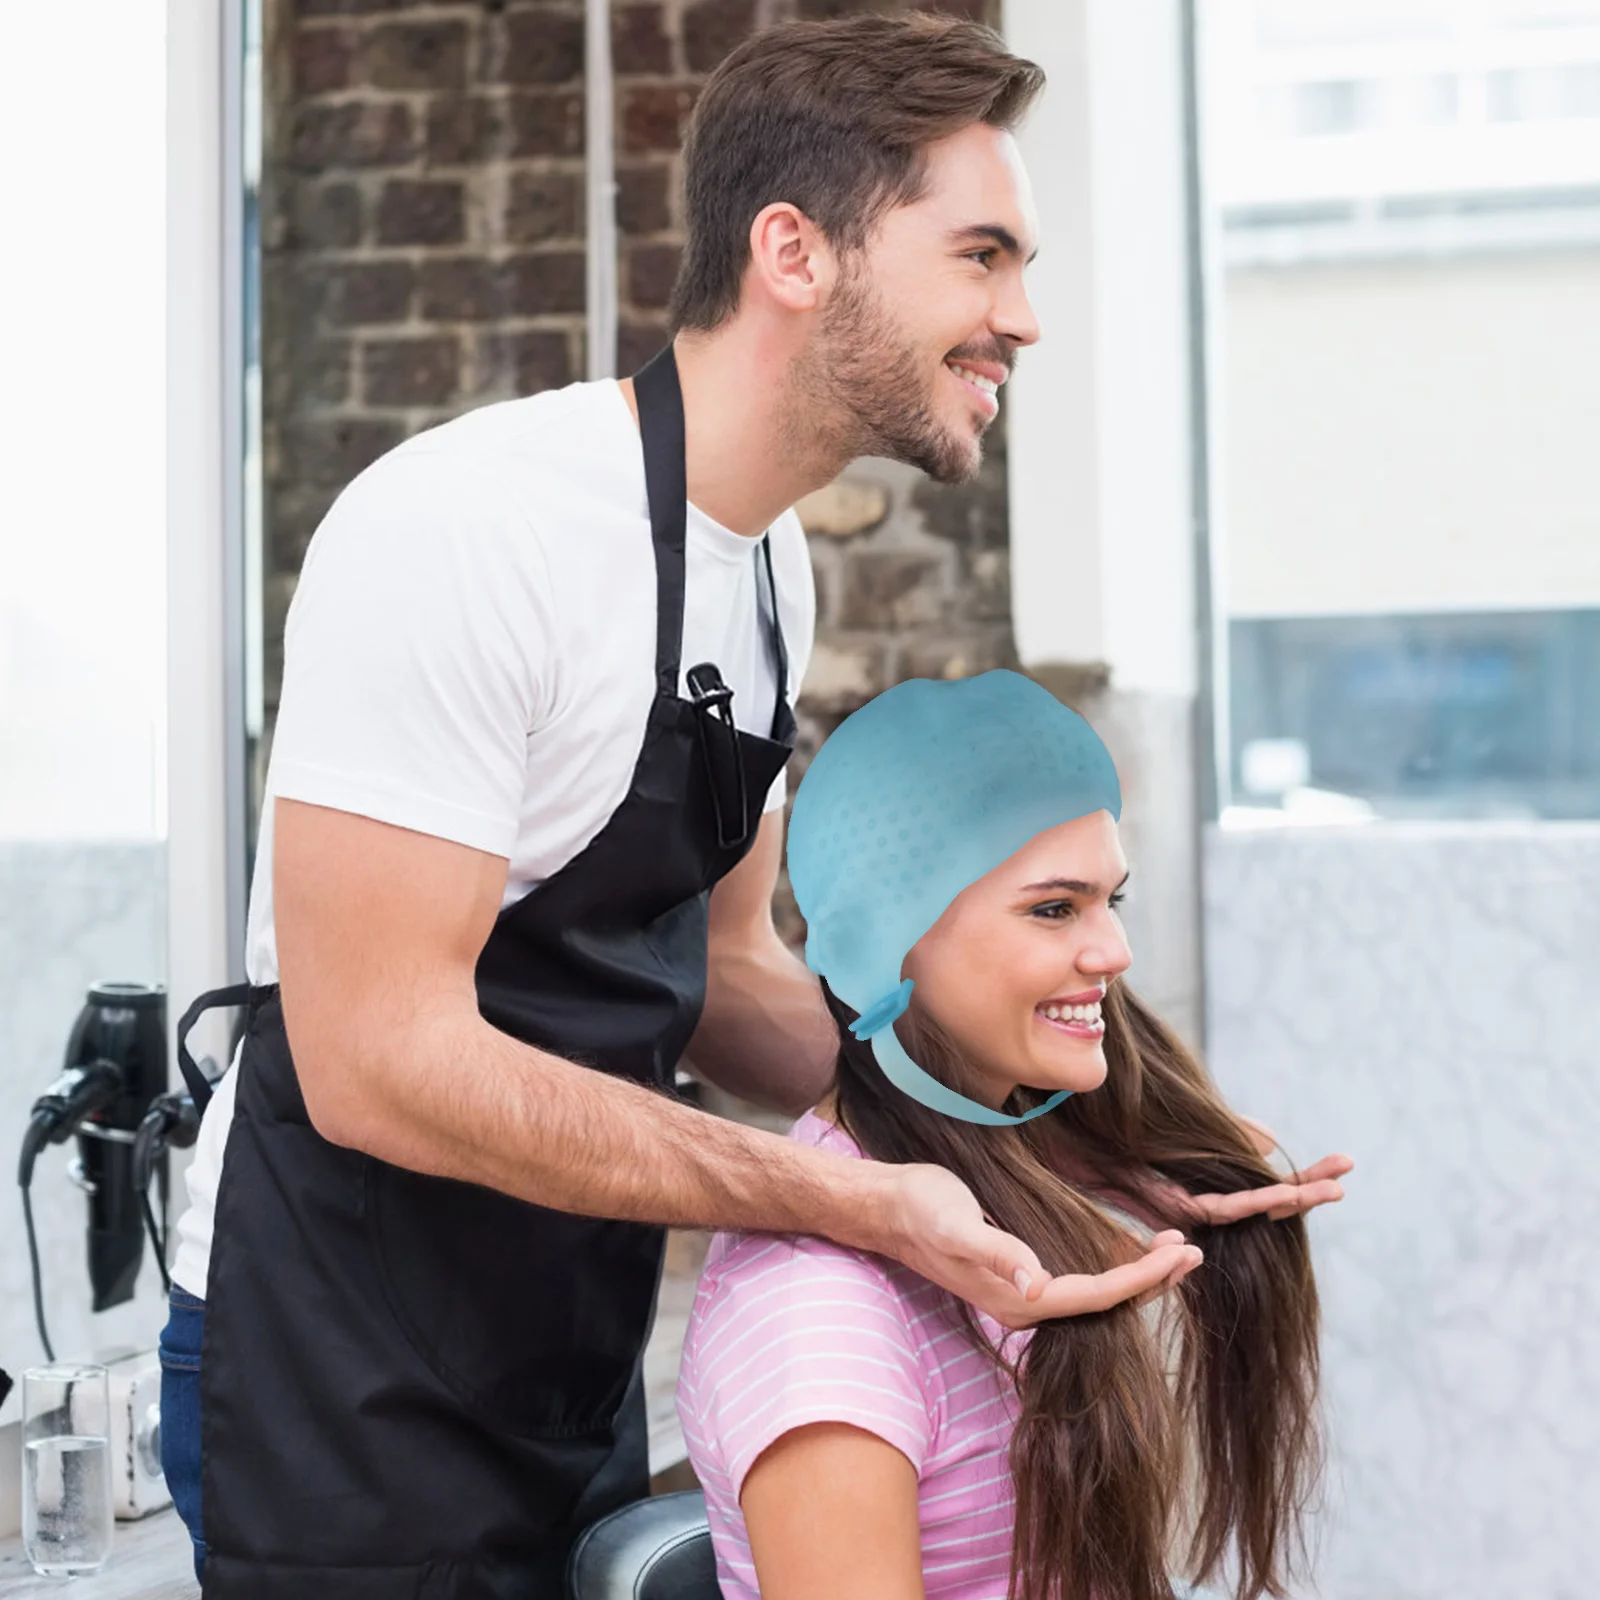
788,1330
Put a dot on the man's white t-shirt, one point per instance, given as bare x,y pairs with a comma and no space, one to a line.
471,654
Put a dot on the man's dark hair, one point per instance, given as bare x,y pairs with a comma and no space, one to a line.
833,117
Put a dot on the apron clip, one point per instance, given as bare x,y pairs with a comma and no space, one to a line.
712,700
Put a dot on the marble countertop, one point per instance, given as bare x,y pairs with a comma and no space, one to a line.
149,1561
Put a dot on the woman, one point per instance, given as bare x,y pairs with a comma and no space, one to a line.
859,1434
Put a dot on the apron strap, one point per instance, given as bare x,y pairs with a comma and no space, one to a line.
780,653
199,1086
660,398
655,387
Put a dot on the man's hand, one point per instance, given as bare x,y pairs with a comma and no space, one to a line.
1300,1192
939,1231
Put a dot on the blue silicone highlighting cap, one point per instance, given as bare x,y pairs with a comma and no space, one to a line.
920,793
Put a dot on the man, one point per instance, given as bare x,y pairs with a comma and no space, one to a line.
519,850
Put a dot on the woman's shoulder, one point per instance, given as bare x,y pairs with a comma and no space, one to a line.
788,1330
821,1133
783,1310
780,1275
743,1269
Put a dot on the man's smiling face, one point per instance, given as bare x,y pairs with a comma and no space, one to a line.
926,320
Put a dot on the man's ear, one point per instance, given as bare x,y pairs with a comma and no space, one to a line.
791,264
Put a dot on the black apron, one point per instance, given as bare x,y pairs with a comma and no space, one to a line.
413,1386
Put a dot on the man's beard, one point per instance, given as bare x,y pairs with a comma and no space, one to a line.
862,391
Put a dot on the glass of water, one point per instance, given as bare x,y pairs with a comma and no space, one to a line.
66,1469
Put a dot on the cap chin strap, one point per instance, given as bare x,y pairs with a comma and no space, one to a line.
877,1024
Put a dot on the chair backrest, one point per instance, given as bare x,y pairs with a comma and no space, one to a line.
656,1549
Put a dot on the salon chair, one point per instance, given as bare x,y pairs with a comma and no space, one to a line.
656,1549
660,1549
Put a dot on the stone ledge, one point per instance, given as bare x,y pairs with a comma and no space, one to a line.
844,508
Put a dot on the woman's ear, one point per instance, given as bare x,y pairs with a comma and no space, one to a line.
791,263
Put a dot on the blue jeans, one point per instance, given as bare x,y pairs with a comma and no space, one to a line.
180,1412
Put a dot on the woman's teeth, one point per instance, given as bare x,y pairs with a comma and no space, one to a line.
976,379
1087,1014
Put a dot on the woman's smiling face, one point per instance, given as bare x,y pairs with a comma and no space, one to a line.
1017,951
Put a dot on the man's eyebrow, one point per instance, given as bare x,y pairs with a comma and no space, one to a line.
1071,885
1003,238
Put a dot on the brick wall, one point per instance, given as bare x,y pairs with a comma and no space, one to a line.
422,235
422,252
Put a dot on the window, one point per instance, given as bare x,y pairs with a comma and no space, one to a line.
1407,401
83,583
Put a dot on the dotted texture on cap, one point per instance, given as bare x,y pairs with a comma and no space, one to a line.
921,792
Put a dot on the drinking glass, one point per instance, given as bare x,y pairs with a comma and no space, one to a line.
66,1468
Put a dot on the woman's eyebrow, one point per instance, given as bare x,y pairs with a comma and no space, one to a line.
1071,885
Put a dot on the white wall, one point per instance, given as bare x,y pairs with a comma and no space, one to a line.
82,596
1098,426
83,617
1102,540
111,591
199,449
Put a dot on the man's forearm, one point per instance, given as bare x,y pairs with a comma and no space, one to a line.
454,1097
765,1034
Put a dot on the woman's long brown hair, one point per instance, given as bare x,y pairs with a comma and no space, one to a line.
1125,1451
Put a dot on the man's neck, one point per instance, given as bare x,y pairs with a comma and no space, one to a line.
746,460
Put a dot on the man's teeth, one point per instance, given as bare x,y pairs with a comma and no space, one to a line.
977,379
1089,1013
